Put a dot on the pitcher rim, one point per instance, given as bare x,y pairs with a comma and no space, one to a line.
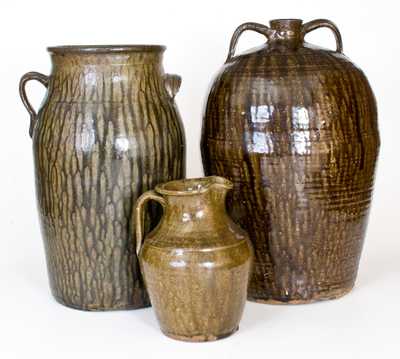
206,184
101,49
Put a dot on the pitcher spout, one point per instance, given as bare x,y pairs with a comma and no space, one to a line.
194,186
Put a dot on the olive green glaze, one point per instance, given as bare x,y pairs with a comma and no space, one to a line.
108,131
294,127
196,262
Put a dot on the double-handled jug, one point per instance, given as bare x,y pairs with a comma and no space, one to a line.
294,127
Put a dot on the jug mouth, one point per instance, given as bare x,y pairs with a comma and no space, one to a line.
286,22
192,186
101,49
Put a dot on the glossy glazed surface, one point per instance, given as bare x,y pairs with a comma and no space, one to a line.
108,131
294,127
196,262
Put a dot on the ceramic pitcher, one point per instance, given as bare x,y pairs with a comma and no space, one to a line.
196,262
108,130
294,127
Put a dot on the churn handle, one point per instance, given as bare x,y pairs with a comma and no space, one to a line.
139,214
253,26
316,24
172,84
44,80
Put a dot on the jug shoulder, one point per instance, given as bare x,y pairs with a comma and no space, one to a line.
268,61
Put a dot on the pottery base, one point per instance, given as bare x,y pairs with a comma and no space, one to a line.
336,294
101,309
199,338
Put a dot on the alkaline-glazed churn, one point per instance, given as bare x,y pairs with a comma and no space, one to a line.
294,127
196,262
107,131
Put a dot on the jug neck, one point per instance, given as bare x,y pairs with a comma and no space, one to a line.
286,32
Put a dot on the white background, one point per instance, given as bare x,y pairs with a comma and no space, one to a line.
364,324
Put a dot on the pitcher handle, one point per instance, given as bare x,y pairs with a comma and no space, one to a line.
316,24
44,80
139,214
253,26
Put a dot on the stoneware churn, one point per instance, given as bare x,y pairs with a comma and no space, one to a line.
196,262
294,127
108,130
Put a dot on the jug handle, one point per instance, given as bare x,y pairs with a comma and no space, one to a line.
316,24
139,214
253,26
44,80
172,84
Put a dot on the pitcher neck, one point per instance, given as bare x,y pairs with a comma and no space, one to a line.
195,201
197,208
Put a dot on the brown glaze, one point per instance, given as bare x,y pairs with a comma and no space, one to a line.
108,131
196,262
294,127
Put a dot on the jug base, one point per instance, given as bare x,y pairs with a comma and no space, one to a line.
101,308
200,338
334,294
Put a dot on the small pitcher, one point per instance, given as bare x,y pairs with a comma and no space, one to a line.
196,262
